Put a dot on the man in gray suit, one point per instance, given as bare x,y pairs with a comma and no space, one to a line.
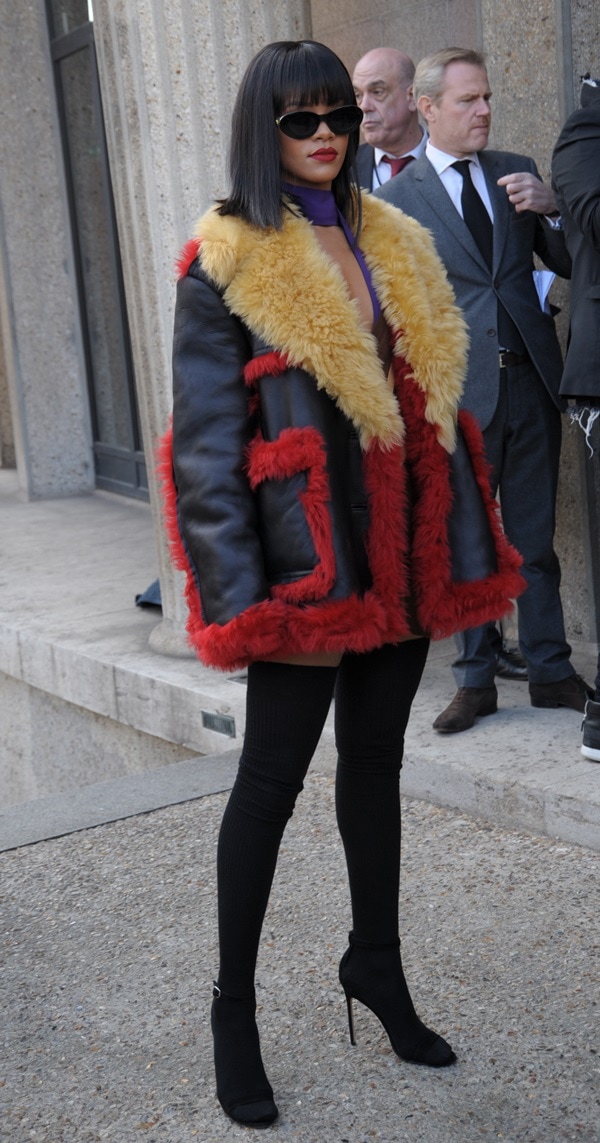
383,85
489,212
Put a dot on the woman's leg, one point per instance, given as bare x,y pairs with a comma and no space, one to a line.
374,694
286,709
373,697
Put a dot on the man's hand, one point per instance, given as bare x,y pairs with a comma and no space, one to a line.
526,192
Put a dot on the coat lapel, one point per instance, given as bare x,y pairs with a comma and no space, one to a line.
437,196
285,289
288,292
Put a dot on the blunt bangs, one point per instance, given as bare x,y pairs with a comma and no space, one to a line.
310,73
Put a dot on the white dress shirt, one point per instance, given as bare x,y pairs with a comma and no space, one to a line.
453,180
382,170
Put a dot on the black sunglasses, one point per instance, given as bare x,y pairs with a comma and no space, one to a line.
303,124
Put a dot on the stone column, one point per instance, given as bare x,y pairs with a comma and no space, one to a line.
42,389
169,73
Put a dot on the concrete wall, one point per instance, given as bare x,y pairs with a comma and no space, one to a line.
49,746
353,28
585,40
39,319
169,74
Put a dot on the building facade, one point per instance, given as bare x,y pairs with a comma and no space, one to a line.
115,129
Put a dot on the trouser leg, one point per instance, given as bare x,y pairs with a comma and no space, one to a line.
522,445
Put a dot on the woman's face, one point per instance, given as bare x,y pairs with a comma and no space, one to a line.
316,161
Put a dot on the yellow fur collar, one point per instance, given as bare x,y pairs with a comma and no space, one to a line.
283,286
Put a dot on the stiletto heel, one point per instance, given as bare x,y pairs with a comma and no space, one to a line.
350,1018
243,1089
373,975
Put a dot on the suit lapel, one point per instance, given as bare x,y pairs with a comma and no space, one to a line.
433,189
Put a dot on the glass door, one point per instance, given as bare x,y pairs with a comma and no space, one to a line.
118,455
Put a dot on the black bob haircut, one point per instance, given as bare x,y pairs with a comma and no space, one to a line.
289,71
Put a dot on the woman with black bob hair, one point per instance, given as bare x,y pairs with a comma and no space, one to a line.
305,74
310,487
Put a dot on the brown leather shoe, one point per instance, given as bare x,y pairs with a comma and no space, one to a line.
468,704
572,691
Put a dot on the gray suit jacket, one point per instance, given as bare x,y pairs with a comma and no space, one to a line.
419,192
576,179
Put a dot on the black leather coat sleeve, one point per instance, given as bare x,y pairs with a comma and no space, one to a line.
549,243
576,171
551,247
211,429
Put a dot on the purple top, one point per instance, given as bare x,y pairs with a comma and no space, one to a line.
319,206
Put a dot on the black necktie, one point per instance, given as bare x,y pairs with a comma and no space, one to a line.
474,211
480,224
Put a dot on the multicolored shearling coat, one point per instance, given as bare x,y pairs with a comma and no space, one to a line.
311,505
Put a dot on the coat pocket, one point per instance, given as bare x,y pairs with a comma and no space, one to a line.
472,546
289,478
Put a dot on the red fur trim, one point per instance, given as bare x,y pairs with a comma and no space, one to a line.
268,364
278,626
273,627
444,607
253,404
387,539
293,451
164,471
188,255
300,450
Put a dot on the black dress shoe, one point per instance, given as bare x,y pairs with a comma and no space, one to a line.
510,664
572,692
468,704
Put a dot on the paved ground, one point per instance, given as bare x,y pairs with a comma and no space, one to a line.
108,913
109,950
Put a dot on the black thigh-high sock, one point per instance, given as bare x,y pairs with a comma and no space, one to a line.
373,697
374,694
286,709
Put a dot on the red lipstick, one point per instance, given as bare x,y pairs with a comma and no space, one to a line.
324,155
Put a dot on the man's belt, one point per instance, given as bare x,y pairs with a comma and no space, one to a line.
506,358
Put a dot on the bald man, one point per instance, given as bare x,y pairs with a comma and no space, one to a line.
383,84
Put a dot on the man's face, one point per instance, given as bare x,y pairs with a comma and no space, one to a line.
459,123
388,106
